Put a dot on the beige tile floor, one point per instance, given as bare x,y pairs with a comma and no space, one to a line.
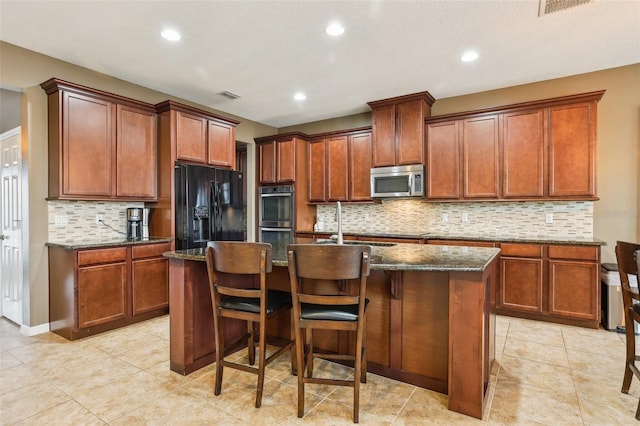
545,374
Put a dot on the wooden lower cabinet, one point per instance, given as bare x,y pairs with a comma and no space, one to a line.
546,282
554,283
574,277
521,277
102,294
95,290
149,278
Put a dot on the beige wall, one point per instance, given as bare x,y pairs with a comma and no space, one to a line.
616,213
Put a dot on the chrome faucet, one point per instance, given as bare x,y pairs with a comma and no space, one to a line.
339,219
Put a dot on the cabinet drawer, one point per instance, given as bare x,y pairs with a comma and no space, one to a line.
90,257
573,252
521,250
150,250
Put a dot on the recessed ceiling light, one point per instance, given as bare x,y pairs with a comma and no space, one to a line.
469,56
334,29
170,34
299,96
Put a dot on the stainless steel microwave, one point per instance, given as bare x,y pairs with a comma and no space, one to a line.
397,181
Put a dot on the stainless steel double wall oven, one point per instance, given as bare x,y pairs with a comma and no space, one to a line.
276,216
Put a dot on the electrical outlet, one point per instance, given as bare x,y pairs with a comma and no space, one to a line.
445,217
99,218
61,219
465,217
548,218
366,217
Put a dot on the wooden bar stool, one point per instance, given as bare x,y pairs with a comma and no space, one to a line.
340,311
626,255
231,265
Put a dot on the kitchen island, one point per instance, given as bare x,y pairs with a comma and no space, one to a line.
430,320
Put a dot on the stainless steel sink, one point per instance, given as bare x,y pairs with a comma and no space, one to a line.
364,243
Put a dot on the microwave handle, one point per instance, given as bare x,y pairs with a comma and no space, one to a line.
411,177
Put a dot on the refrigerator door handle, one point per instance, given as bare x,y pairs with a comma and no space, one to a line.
216,212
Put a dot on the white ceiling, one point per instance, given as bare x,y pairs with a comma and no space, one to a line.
266,51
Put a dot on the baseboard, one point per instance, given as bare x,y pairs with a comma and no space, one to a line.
32,331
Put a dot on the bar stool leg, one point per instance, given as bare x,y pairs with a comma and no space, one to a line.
219,355
251,346
263,350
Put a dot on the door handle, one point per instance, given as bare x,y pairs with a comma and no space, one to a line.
4,237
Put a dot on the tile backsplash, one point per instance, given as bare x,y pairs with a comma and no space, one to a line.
572,219
75,221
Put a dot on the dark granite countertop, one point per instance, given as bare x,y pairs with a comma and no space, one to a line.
399,257
104,243
540,239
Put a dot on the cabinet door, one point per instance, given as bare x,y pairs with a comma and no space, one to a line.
136,165
523,154
150,284
521,284
267,153
221,144
572,149
384,136
286,161
480,157
337,164
102,294
191,137
573,289
88,143
410,132
316,173
443,160
360,167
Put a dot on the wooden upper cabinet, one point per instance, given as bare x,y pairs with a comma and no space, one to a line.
286,164
337,168
221,144
277,160
88,140
360,167
101,146
480,157
200,136
443,160
191,137
535,150
267,154
398,129
136,155
410,131
572,150
317,171
523,147
384,136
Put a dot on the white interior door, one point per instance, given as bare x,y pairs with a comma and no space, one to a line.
11,219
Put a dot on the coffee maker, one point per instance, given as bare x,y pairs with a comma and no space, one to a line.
134,223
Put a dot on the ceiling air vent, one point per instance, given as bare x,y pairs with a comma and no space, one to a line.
229,95
550,6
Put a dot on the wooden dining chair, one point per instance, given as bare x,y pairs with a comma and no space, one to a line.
311,264
627,257
240,264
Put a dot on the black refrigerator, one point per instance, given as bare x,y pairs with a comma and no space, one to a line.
209,206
